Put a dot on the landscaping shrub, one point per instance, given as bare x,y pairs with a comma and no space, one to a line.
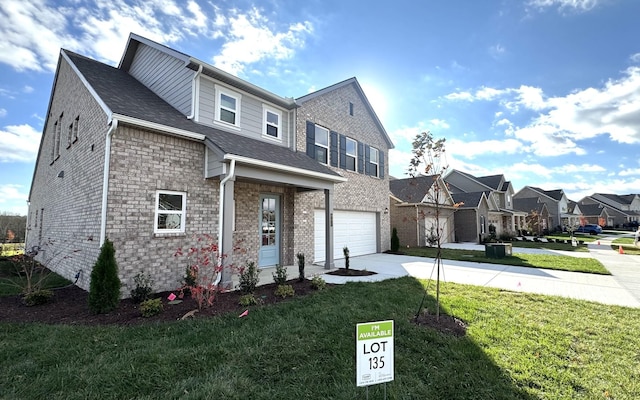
248,300
280,276
249,278
37,297
285,291
143,287
395,241
151,307
104,290
300,266
345,251
317,283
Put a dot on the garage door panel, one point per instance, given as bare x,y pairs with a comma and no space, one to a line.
354,229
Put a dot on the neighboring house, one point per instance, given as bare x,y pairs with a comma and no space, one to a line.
165,148
594,213
557,204
622,209
499,193
471,220
420,209
573,218
537,213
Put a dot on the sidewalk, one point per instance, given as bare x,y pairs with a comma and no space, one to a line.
622,288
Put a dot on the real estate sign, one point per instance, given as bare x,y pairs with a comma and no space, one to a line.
374,353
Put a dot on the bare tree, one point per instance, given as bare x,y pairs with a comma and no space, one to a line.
429,159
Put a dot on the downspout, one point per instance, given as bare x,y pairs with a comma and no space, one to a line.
230,175
105,180
194,94
417,226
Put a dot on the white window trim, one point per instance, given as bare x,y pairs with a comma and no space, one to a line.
321,145
182,213
266,109
354,155
220,90
377,163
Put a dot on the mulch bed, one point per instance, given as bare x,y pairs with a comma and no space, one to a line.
351,272
445,324
69,306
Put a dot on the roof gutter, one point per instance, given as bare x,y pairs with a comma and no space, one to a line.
124,119
294,170
194,92
230,175
105,179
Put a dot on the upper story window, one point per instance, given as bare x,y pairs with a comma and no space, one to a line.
351,108
271,125
228,106
170,212
57,132
351,154
374,163
322,144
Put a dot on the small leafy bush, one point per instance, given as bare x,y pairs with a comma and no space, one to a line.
249,278
37,297
285,291
317,283
280,276
300,266
248,300
104,289
143,287
151,307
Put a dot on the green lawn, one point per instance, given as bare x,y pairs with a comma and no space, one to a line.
627,244
549,261
518,346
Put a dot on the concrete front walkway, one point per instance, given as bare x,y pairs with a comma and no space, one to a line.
622,288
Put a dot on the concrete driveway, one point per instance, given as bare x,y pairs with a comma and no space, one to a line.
621,288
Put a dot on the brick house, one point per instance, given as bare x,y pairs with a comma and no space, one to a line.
421,208
165,148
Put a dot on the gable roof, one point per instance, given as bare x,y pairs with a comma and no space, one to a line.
529,204
411,190
593,209
468,200
555,194
351,81
492,181
123,95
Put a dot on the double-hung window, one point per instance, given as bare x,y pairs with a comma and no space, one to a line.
271,126
373,162
322,144
227,106
170,215
351,154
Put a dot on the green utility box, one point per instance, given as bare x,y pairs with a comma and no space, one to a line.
497,250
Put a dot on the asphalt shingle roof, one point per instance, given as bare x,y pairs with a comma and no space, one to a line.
411,190
125,95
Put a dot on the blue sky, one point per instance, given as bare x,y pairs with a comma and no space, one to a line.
546,92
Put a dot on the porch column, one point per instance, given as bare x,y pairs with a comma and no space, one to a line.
328,233
227,233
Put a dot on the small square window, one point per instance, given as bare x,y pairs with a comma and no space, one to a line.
170,212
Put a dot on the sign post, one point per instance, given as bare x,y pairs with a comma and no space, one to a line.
374,353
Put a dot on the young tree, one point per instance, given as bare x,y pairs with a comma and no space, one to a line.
428,158
104,289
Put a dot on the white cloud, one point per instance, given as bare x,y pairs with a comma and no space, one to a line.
630,172
576,5
19,143
250,39
27,89
3,112
11,192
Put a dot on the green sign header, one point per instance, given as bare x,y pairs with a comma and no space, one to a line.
375,330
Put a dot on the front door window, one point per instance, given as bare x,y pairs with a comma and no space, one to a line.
269,230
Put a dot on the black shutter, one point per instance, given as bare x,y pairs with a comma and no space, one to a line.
367,160
381,162
360,158
311,139
343,152
333,147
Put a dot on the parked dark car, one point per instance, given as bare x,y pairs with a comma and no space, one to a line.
591,229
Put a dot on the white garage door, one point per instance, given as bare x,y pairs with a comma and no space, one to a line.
353,229
445,231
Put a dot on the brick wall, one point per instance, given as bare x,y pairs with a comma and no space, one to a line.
360,192
64,212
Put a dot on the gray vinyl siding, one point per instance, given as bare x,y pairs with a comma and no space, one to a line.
251,113
166,76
